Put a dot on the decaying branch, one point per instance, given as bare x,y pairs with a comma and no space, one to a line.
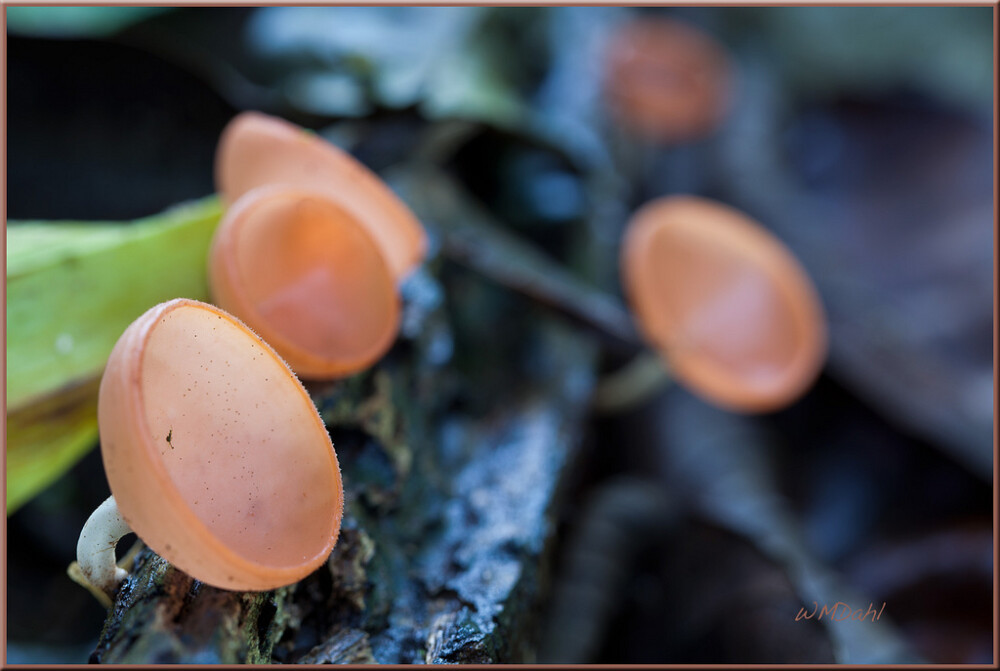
447,522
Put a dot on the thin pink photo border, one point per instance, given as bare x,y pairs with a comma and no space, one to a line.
720,3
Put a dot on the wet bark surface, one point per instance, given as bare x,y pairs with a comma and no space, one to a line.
444,549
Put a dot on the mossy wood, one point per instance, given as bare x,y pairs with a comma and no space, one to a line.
448,525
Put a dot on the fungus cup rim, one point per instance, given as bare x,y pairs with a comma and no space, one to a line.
357,188
738,234
171,514
227,285
629,104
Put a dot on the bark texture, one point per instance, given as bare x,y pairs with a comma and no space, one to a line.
452,455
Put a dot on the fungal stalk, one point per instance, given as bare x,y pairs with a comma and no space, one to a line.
95,567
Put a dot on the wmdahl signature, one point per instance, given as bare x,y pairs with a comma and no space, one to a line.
845,612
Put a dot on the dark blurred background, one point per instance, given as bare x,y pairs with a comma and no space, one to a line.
861,136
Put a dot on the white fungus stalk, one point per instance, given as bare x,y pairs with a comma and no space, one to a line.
95,566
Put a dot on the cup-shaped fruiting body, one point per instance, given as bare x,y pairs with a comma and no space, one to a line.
727,304
256,149
667,81
306,275
215,454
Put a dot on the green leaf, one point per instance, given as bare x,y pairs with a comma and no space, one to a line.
72,289
45,440
75,21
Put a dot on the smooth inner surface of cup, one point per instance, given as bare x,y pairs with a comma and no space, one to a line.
725,302
720,306
313,279
239,439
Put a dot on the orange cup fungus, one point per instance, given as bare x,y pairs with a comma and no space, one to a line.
666,80
256,149
215,455
306,275
728,305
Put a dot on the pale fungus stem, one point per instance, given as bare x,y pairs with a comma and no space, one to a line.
95,567
644,376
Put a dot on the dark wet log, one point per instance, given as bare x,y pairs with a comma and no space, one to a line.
164,616
451,475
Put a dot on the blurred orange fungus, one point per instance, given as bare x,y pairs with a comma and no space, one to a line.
724,302
667,81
